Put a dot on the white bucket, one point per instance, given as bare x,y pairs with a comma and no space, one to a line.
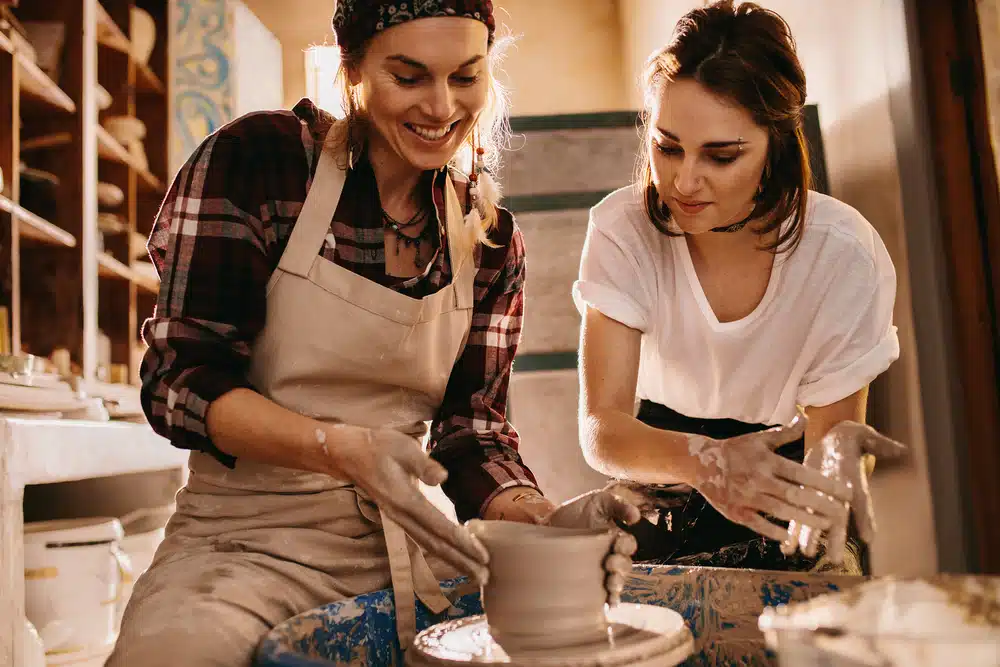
74,572
144,530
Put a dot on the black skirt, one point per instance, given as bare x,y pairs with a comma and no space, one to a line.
687,530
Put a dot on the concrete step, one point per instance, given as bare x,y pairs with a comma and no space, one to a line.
552,155
543,408
553,245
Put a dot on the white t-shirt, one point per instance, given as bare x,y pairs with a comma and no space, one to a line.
822,331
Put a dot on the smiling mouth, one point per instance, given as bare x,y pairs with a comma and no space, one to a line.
431,133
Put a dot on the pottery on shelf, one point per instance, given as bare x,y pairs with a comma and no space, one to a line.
143,35
110,195
104,98
129,131
546,585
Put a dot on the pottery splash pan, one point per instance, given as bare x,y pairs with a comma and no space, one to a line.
942,620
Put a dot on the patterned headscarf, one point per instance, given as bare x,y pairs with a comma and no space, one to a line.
357,21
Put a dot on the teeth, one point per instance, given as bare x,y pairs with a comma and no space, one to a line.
430,135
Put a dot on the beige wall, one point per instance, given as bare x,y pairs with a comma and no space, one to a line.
567,57
989,26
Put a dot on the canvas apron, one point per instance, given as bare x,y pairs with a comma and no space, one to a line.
339,348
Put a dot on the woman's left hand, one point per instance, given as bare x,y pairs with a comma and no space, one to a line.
603,509
839,455
600,509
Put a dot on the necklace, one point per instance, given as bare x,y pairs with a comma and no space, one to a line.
397,227
735,227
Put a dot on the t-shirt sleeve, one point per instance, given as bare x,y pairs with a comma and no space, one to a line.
615,274
859,340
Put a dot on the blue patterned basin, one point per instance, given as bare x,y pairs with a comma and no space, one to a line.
720,606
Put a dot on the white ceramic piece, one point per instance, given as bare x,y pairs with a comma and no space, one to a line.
143,35
32,648
546,585
74,572
110,195
125,129
943,620
640,636
104,98
39,399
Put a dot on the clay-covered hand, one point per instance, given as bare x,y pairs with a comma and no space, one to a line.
840,456
386,465
743,478
603,509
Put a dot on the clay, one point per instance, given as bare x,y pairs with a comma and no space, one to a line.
639,636
546,585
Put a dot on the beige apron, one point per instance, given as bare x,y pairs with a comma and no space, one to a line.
258,541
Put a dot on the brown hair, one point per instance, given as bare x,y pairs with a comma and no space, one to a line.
492,130
745,54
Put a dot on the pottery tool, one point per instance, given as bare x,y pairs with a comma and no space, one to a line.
638,636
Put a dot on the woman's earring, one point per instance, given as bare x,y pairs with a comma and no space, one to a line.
478,165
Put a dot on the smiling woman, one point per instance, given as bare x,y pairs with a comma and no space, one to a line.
334,292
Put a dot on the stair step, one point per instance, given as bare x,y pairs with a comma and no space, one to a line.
554,243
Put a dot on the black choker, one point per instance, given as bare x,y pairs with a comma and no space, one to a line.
735,227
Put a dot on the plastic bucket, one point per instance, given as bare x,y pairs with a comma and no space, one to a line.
74,572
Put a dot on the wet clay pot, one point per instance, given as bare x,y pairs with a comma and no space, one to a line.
546,586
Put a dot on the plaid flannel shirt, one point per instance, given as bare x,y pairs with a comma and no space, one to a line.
217,238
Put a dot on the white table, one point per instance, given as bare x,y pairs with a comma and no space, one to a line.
48,451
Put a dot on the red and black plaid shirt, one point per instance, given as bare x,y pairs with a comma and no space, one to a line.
217,238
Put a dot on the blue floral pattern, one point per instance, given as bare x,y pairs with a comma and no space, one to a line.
720,606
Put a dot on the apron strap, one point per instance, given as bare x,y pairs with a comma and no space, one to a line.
314,220
410,577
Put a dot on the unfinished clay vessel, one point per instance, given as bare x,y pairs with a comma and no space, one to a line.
546,585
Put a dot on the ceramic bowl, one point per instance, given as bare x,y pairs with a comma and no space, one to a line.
546,585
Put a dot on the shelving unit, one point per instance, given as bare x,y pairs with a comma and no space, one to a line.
60,284
56,126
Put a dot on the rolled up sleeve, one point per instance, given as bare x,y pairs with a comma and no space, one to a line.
212,259
471,436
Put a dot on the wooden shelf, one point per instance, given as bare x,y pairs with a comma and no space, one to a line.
36,228
109,267
146,79
109,149
36,84
109,34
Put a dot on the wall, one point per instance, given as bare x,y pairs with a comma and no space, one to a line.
221,68
989,27
201,55
567,58
847,79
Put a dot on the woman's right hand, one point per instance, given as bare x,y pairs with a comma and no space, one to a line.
385,464
743,476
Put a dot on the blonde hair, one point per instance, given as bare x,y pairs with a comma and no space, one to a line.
492,128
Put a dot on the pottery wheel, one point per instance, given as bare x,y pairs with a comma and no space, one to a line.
643,635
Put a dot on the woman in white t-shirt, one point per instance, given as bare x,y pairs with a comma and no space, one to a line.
747,314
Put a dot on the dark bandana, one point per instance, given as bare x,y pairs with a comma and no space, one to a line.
357,21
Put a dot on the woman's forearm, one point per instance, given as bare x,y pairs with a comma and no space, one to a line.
247,425
618,445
